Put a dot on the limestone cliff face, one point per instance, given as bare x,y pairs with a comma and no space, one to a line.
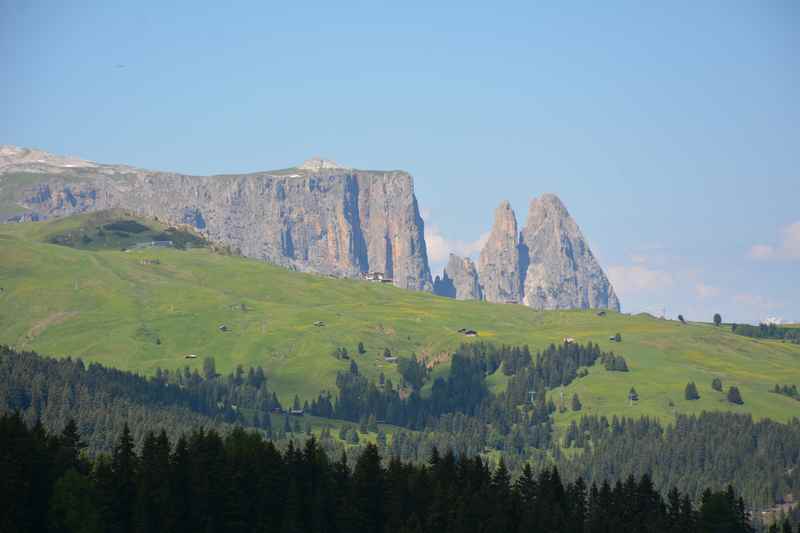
459,280
561,271
548,265
499,262
318,217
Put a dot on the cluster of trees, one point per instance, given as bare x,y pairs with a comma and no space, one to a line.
614,363
768,331
462,416
558,365
710,449
37,379
101,399
340,353
243,483
460,412
414,372
733,395
787,390
462,391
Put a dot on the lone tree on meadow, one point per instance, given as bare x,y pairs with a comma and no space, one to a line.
691,391
734,396
716,384
717,319
576,402
633,396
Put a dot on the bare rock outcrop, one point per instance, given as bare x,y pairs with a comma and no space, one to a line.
561,272
548,265
317,217
459,280
499,262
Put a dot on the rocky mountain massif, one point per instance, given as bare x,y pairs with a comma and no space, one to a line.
322,217
547,265
318,217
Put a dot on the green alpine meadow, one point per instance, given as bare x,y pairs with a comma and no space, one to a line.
151,307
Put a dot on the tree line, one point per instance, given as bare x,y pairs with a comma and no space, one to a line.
241,482
768,331
711,449
761,457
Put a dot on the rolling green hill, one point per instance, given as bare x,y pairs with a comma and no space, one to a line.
148,308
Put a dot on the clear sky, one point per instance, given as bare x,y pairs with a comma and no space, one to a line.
671,130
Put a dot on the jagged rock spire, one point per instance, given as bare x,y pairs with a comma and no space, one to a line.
459,280
499,262
561,271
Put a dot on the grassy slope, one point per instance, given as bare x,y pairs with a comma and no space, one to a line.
100,234
107,306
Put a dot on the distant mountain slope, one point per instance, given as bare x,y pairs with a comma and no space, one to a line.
128,310
317,217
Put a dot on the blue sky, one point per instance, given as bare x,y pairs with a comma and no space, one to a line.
670,130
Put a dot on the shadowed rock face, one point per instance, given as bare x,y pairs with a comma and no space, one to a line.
317,218
499,262
561,271
459,280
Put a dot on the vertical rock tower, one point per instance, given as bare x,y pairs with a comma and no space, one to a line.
499,262
561,271
548,265
459,280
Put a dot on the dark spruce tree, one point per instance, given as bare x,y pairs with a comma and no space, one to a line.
576,402
734,396
690,393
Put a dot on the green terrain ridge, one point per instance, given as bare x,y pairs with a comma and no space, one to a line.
147,308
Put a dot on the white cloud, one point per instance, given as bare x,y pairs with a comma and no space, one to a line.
761,251
638,278
704,291
788,248
440,247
